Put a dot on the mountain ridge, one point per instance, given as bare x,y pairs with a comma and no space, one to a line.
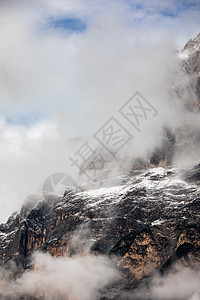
147,223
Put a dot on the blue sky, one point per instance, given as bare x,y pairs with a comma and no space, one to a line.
180,7
148,19
80,15
68,23
27,119
153,18
173,10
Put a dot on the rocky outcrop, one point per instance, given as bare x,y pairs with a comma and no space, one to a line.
190,56
148,223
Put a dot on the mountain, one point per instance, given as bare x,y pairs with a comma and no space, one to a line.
146,221
190,56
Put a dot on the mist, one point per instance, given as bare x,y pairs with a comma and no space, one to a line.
78,278
58,84
78,275
181,283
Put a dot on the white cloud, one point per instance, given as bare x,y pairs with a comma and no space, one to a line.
78,278
181,283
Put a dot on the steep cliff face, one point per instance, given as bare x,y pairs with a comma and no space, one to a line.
149,222
190,56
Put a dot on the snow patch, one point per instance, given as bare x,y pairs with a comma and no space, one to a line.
183,54
157,222
104,191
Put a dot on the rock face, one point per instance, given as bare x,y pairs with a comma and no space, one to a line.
148,220
190,56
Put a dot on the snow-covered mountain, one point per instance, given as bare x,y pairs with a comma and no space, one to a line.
145,221
191,56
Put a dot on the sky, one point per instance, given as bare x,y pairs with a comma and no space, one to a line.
67,66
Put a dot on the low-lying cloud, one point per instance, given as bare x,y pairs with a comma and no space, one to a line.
77,278
182,283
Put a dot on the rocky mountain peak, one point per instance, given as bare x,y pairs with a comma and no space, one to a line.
191,55
193,44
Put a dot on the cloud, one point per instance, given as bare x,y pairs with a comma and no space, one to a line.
78,275
78,278
182,283
76,80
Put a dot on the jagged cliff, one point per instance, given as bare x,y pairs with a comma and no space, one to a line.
190,56
149,222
